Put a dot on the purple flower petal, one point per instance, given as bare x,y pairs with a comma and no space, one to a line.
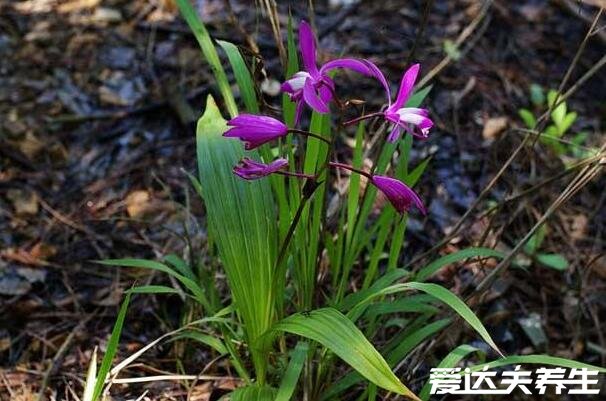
295,83
313,100
255,130
347,63
326,92
398,193
406,86
376,73
299,110
307,45
395,133
415,120
249,169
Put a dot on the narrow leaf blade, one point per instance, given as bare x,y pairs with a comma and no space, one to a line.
336,332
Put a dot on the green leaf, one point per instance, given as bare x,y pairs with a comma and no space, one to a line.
203,338
535,241
152,289
112,348
553,260
190,284
415,338
381,283
396,353
451,50
253,393
336,332
567,122
413,177
291,376
580,138
529,119
243,76
450,361
292,66
537,95
180,265
538,359
353,196
417,98
209,52
558,115
458,306
241,218
410,304
551,97
458,256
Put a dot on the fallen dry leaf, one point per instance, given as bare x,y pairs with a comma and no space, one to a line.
578,226
493,127
137,203
36,256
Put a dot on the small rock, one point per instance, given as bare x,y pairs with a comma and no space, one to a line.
32,275
11,284
533,328
121,91
120,57
493,127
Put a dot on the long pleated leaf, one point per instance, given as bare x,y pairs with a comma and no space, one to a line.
241,220
291,376
210,53
450,361
436,291
463,254
190,284
253,393
243,76
458,306
336,332
538,359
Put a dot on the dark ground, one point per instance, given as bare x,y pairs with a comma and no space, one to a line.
94,138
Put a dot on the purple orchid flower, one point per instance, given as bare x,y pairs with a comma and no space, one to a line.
414,120
255,130
313,86
398,193
252,170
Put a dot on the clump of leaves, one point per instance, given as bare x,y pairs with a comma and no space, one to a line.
273,294
532,250
561,121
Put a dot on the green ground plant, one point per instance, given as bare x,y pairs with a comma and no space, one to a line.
286,334
557,135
